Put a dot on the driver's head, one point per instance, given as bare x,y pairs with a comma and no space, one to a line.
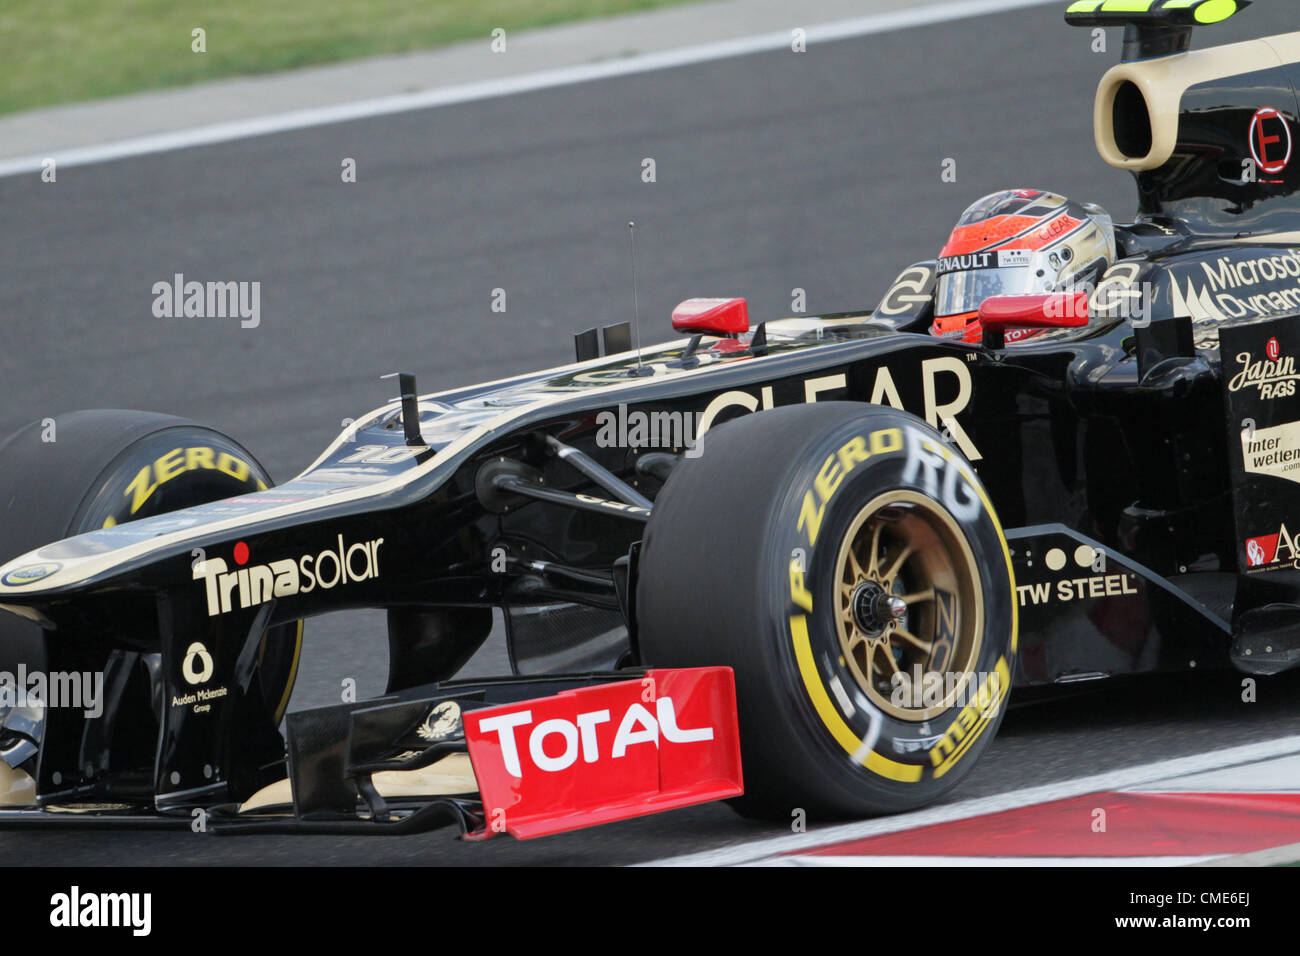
1013,242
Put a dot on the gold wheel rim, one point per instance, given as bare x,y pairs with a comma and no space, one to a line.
905,547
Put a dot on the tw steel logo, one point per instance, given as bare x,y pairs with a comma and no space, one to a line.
256,584
555,744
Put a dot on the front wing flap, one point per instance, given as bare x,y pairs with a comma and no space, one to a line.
527,757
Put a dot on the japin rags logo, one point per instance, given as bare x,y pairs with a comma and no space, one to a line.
1274,376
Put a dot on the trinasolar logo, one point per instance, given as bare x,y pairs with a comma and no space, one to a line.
259,583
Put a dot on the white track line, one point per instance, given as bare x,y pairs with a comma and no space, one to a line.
1112,780
1273,856
506,86
895,861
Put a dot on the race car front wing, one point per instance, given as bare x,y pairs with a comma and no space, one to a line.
528,757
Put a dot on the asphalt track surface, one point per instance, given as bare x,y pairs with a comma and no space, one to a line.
818,170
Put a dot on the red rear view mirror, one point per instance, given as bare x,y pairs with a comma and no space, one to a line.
712,316
1042,310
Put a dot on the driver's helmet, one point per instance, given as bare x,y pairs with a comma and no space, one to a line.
1014,242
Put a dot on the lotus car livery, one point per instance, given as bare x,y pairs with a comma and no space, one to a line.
801,562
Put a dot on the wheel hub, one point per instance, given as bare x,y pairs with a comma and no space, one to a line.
874,609
909,600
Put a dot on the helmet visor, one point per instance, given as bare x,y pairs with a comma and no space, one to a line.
964,291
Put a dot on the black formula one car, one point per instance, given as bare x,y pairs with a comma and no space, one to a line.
823,550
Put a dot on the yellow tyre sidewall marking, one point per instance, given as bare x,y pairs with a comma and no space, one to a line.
189,458
182,460
821,701
1003,672
830,716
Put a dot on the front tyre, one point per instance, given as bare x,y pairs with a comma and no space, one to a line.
98,468
847,564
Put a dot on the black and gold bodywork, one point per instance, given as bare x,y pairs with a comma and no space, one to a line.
1114,456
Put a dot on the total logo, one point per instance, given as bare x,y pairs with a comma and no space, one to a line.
1098,584
256,584
1272,549
637,726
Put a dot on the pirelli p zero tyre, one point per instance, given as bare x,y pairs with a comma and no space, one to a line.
847,564
94,469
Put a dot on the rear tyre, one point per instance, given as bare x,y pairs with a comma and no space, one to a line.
847,564
94,469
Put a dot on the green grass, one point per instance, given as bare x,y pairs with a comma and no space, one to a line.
60,51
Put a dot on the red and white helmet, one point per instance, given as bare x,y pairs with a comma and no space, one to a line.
1014,242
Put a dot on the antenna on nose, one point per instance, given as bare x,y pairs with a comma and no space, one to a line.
410,407
640,368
